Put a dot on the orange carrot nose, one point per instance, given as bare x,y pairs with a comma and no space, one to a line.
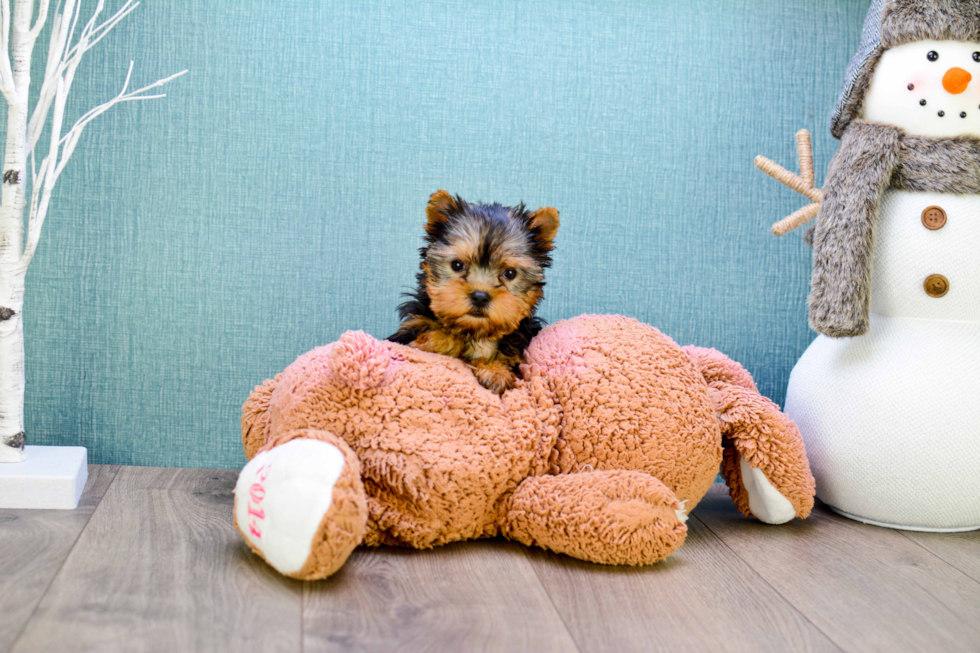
956,80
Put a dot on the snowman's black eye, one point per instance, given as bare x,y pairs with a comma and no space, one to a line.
932,56
457,266
976,56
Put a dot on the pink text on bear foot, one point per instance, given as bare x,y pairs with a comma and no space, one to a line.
255,495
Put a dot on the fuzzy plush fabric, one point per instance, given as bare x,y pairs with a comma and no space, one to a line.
891,23
938,165
905,21
605,516
753,428
627,407
840,286
613,434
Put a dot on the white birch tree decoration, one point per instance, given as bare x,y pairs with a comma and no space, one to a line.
24,129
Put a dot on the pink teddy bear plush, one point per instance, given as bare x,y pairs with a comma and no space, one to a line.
611,437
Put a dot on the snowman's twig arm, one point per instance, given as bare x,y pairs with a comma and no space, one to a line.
787,178
804,185
804,148
795,220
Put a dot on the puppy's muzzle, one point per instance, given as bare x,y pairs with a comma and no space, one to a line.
479,299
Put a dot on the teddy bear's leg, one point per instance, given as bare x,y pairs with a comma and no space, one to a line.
611,517
256,419
300,503
764,462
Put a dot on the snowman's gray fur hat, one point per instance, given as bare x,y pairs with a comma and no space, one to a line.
893,22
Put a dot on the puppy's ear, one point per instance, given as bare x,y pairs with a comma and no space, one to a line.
441,205
546,222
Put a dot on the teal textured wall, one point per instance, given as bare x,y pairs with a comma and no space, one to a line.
198,244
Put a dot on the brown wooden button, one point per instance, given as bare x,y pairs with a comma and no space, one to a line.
934,218
936,285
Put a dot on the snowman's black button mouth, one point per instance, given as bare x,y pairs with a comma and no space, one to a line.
942,114
963,114
922,102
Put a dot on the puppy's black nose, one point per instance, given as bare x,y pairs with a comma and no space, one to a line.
479,299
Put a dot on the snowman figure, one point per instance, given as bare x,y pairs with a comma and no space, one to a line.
887,397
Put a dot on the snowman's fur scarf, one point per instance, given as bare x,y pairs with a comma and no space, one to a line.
843,242
906,21
938,165
872,158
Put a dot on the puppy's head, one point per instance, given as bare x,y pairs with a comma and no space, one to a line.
484,263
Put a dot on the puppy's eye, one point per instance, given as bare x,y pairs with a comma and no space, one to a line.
932,56
510,274
457,266
976,56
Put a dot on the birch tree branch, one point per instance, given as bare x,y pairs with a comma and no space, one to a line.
42,15
5,24
71,138
54,164
6,73
63,58
95,34
54,69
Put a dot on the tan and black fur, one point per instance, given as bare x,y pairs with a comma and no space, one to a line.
481,281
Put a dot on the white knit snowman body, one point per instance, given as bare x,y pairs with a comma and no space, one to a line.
891,418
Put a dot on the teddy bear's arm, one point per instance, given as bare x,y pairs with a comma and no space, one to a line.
612,517
763,461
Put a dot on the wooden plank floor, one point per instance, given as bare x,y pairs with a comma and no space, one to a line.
151,562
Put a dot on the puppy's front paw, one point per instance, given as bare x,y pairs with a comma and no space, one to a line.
495,377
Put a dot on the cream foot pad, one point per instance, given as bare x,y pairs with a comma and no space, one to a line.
765,501
281,498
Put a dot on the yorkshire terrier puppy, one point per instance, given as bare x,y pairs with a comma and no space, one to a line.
481,280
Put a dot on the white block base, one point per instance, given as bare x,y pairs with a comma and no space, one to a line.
51,478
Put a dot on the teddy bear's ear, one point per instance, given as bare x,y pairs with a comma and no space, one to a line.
441,206
359,360
546,222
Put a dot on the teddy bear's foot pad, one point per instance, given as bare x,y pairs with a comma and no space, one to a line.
282,496
767,504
